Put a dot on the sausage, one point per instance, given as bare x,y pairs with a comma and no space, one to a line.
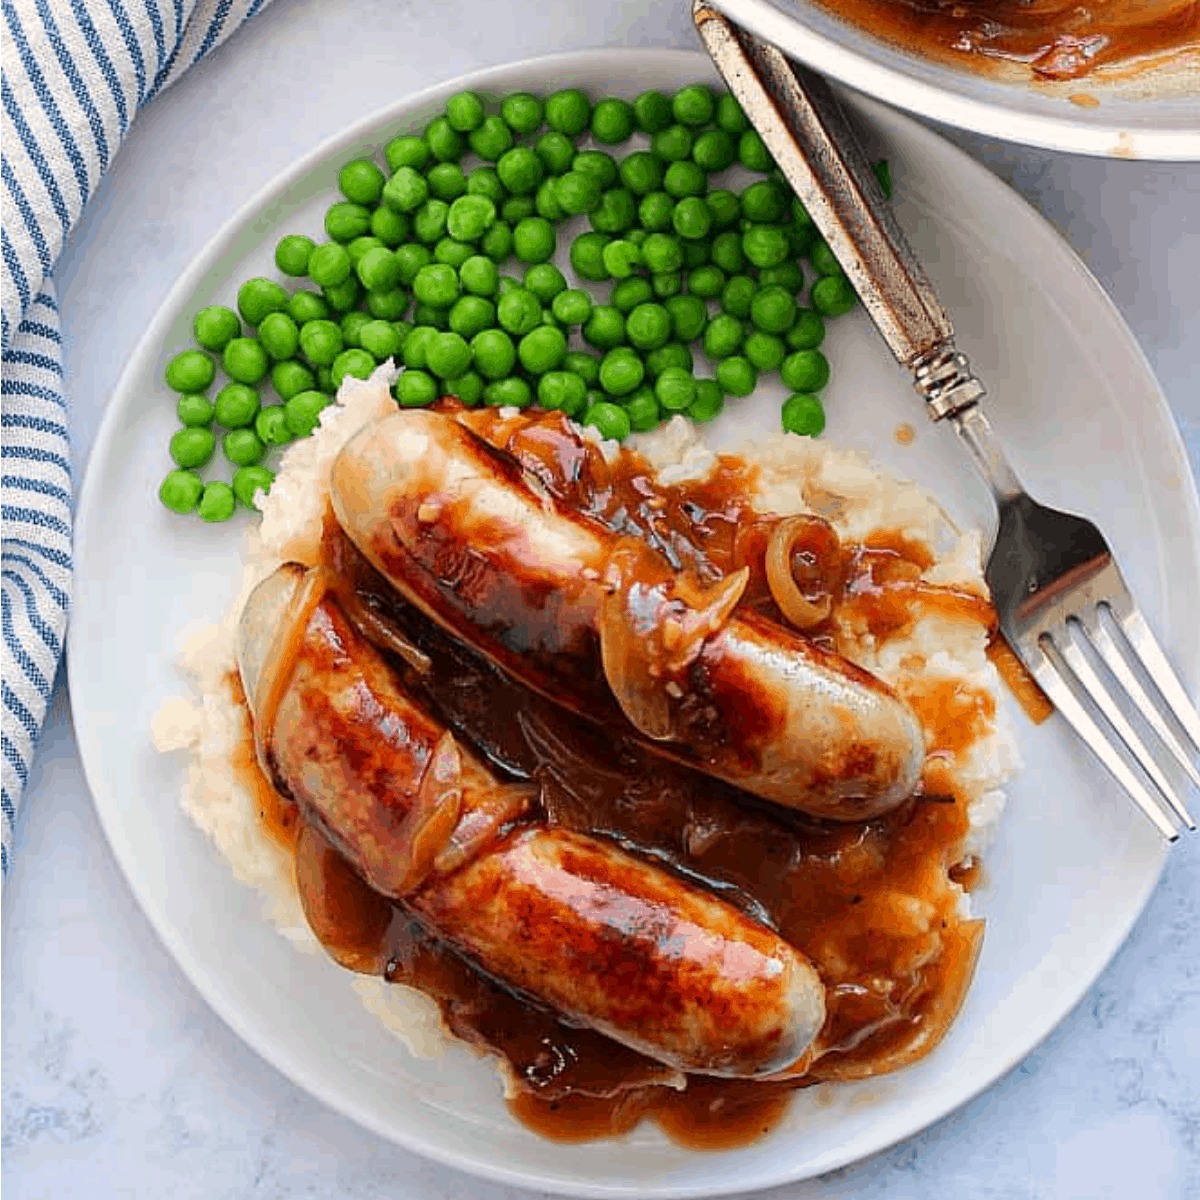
607,939
456,526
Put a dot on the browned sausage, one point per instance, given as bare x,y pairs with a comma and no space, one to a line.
605,938
456,526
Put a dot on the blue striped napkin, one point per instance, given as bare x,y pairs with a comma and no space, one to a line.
75,73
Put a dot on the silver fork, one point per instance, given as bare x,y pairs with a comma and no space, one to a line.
1063,604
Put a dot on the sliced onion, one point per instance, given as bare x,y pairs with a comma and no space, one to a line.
802,611
430,822
380,632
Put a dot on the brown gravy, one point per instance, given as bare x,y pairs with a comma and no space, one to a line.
1053,39
873,905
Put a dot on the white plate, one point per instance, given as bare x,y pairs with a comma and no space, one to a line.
1073,865
1156,117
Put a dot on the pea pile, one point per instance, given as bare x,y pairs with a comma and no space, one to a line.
414,270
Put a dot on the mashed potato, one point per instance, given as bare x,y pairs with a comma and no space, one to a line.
796,475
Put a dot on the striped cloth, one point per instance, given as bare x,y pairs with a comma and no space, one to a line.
75,72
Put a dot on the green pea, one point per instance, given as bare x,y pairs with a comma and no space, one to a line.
446,144
357,248
621,258
416,346
714,151
572,307
248,481
709,401
361,181
694,105
389,305
380,339
520,170
765,245
652,112
236,406
406,191
737,297
609,420
491,139
725,207
407,151
497,243
612,121
616,213
773,310
787,275
180,491
290,377
307,306
495,354
291,254
648,326
620,373
321,341
483,181
479,276
723,336
691,218
429,221
764,202
673,354
556,151
568,111
471,315
512,392
561,390
545,201
192,447
764,351
468,387
673,144
706,282
605,328
667,284
344,296
662,253
684,179
351,326
577,193
329,264
325,381
416,389
729,115
803,414
453,253
583,364
217,502
244,360
437,285
470,217
464,112
519,311
805,371
194,409
534,240
412,257
808,331
823,259
344,221
190,371
641,173
833,296
727,252
542,350
753,153
215,327
736,376
675,389
271,425
242,447
522,112
689,316
355,362
448,355
642,410
446,181
279,335
587,257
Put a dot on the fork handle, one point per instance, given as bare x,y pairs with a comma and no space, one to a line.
803,126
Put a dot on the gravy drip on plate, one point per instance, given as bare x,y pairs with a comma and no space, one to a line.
1054,39
873,905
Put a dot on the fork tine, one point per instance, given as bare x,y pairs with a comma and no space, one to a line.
1134,626
1055,686
1098,690
1114,657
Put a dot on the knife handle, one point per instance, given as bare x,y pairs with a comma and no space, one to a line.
799,119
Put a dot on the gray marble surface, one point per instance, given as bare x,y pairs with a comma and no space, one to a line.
119,1082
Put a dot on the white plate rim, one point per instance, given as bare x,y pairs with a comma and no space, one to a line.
1004,121
149,347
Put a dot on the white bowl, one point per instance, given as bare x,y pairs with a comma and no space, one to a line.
1158,117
